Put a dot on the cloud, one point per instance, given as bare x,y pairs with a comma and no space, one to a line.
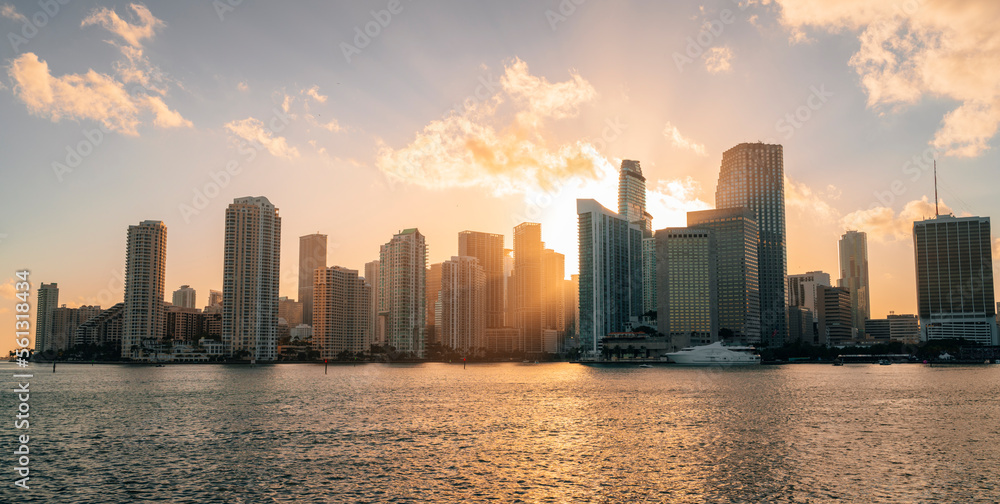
94,96
922,48
313,92
801,199
8,11
677,140
883,224
669,201
7,290
253,130
499,144
718,59
242,86
133,34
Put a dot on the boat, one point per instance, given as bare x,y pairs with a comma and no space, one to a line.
716,354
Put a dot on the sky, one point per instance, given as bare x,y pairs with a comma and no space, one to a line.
360,119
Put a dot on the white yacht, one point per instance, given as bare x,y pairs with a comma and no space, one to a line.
716,354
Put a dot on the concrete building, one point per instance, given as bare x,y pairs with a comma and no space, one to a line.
801,289
553,280
854,277
610,273
632,196
835,323
251,273
214,301
371,277
312,255
102,329
291,310
734,232
528,285
145,273
402,291
65,322
342,304
433,288
462,302
954,266
752,176
184,324
800,325
488,248
48,300
185,297
687,283
648,274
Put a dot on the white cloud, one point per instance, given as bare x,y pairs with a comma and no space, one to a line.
243,86
883,224
718,60
133,34
313,92
7,290
801,199
669,201
677,140
253,130
8,11
922,48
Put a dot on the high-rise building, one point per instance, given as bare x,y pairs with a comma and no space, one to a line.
291,310
214,298
48,300
801,325
66,321
648,274
571,307
184,297
251,273
801,289
528,285
462,300
687,281
402,291
145,274
553,278
835,325
752,176
735,234
854,277
632,196
371,277
610,273
102,329
433,288
508,287
902,328
342,304
183,324
312,255
955,279
488,248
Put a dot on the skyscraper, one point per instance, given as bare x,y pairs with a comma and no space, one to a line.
801,289
752,176
433,288
184,297
648,274
145,274
48,300
402,291
735,234
834,313
632,195
342,305
610,272
854,277
371,277
528,285
553,278
463,305
312,255
488,248
955,279
687,280
251,272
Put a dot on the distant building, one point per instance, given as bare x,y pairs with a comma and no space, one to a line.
528,318
854,277
303,332
835,326
184,297
648,274
502,340
610,273
687,283
553,280
102,329
48,300
571,290
291,310
801,290
371,278
402,291
752,176
312,255
954,264
488,248
251,273
342,304
901,328
184,324
214,301
145,273
462,300
801,325
433,288
632,196
65,322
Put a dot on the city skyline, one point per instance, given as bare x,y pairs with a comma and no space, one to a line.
317,139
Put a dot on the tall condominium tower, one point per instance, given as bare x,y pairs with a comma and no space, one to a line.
402,291
433,279
312,255
801,289
752,176
528,285
48,300
955,279
184,297
854,277
488,248
250,277
463,305
610,272
371,277
632,195
342,304
553,278
735,232
687,280
145,273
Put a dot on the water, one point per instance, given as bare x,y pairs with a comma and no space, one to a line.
507,433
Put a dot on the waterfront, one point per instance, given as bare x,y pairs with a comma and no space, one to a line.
507,432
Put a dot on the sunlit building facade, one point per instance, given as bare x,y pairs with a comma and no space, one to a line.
687,280
402,292
462,299
312,255
145,275
342,305
854,277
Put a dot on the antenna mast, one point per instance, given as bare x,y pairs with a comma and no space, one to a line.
936,213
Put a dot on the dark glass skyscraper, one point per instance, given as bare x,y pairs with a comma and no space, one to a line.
753,176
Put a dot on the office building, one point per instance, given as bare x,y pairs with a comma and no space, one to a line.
312,255
402,292
687,284
854,277
488,248
835,323
553,280
145,273
462,301
291,310
801,289
528,285
341,307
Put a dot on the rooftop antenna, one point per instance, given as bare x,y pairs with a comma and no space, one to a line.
936,213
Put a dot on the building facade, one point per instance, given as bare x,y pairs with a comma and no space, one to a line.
312,255
145,274
462,301
48,300
402,292
854,277
341,307
185,297
687,280
801,289
528,294
488,248
835,325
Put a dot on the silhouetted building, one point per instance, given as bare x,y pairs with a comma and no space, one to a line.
65,322
528,293
488,248
433,288
371,277
854,277
834,326
312,255
104,328
48,300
